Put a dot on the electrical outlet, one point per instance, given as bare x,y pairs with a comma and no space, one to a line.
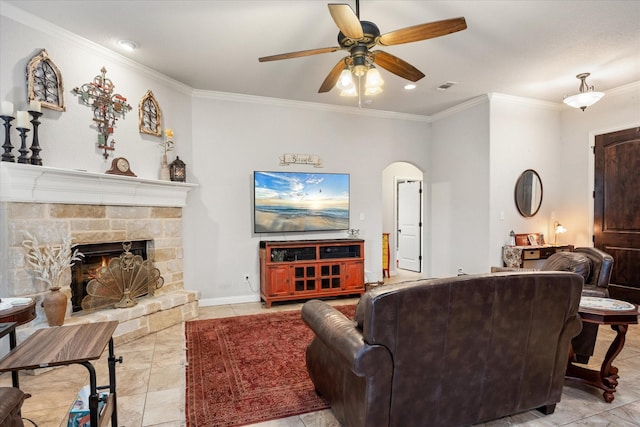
246,277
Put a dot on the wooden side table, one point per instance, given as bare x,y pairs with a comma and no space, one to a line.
604,311
64,345
19,315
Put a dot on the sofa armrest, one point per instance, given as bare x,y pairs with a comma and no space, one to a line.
343,336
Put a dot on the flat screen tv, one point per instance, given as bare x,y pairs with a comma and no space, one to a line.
300,201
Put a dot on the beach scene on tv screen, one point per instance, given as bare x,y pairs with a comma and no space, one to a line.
297,201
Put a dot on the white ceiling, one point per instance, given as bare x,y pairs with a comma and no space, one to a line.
531,49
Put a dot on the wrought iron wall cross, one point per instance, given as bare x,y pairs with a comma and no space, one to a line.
107,106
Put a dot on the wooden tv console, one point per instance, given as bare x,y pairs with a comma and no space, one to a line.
305,269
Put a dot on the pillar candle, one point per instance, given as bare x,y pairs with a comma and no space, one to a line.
7,108
22,119
34,105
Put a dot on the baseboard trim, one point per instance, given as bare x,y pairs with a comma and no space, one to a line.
209,302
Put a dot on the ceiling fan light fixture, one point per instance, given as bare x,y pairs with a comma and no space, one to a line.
349,92
359,70
374,80
586,97
345,81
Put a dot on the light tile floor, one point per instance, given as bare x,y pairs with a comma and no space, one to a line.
151,384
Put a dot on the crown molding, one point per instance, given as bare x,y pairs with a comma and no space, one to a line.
478,100
279,102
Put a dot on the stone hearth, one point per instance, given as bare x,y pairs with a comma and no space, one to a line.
51,203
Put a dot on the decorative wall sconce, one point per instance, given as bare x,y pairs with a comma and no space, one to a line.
107,107
178,170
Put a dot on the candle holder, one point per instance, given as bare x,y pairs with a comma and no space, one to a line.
35,144
7,156
23,158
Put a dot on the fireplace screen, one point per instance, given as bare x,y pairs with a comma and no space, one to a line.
97,256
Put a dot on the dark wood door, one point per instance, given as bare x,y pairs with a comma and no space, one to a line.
617,209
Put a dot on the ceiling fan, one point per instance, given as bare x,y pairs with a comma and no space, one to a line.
359,37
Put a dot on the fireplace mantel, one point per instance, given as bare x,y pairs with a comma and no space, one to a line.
42,184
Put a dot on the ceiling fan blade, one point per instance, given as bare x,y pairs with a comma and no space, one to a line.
332,78
346,20
423,31
397,66
299,54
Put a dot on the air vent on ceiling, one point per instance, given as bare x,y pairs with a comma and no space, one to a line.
446,85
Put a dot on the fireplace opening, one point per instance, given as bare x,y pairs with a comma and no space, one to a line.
96,256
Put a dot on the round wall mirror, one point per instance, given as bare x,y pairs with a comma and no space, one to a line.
528,193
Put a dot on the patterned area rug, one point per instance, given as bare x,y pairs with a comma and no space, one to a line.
249,369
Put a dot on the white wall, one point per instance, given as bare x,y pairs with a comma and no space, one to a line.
235,136
512,134
458,191
525,134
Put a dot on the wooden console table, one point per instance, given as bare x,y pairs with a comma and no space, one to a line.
604,311
516,256
64,345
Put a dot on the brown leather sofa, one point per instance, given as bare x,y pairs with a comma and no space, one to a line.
11,400
446,352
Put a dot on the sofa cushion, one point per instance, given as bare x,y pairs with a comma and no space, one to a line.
569,261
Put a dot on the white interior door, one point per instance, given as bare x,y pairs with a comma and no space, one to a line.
409,225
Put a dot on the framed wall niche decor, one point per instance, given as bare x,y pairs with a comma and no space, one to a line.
44,82
149,115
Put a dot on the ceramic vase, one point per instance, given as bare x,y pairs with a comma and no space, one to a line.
55,306
164,169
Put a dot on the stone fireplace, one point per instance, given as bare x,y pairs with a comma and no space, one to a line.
95,208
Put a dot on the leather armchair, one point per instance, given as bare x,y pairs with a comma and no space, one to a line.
595,266
446,352
596,284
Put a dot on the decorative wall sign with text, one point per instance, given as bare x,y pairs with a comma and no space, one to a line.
300,159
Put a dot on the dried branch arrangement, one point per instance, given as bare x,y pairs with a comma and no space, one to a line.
49,261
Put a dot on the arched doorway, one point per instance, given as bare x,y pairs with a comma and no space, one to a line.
399,179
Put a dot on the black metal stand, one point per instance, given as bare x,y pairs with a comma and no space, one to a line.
23,158
35,144
7,156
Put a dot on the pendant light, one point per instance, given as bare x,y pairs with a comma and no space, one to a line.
586,97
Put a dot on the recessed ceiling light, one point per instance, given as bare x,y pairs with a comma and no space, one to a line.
410,86
127,45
